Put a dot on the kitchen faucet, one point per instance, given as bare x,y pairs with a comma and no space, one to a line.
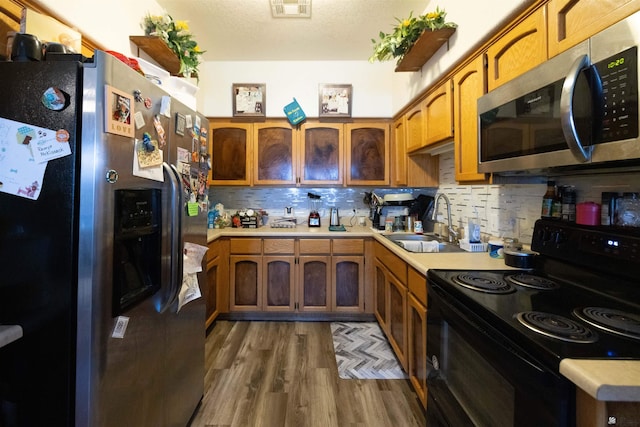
453,234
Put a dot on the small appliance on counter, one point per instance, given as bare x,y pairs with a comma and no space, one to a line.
394,205
315,204
334,218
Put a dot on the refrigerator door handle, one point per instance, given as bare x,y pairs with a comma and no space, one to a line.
176,235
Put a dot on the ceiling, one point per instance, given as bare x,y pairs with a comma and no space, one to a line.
244,30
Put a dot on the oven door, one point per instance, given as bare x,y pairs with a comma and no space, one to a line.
479,378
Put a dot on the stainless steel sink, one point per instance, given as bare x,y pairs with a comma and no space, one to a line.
413,243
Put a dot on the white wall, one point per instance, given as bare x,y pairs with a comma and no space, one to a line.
377,90
109,23
372,87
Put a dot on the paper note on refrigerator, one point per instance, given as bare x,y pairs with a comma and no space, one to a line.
24,152
192,265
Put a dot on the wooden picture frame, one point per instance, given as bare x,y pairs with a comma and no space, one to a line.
334,100
119,112
249,99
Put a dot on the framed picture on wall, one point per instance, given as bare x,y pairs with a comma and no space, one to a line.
334,100
249,99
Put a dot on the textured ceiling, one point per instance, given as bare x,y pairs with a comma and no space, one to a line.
244,30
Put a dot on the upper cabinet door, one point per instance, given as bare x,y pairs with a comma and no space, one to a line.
571,21
518,50
399,152
322,153
367,153
438,111
275,153
415,127
468,86
230,148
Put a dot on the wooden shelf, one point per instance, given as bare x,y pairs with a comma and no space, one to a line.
157,49
423,49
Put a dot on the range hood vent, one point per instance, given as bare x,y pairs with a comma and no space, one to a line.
291,8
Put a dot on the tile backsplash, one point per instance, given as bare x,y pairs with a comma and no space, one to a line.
504,210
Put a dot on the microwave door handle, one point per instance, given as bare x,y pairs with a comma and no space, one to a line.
174,219
579,151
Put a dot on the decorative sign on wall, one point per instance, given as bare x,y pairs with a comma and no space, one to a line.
334,100
249,99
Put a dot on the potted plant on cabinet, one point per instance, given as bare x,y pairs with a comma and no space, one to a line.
427,32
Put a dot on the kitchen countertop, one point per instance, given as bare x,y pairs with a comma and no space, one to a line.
420,261
610,380
9,334
607,380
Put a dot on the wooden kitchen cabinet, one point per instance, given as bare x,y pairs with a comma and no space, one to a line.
214,272
571,21
518,50
278,262
230,153
245,278
245,274
596,413
290,275
314,275
367,153
438,114
468,86
415,127
380,291
399,151
397,318
321,154
279,285
275,153
391,279
347,265
417,333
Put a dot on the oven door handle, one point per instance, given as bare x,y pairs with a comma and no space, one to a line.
482,327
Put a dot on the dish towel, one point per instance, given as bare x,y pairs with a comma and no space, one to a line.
411,245
431,246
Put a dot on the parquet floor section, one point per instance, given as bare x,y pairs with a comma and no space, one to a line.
284,374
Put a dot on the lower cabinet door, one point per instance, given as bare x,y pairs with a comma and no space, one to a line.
245,276
398,319
380,296
348,283
279,283
314,278
417,347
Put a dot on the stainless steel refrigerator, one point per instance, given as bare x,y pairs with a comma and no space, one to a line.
92,258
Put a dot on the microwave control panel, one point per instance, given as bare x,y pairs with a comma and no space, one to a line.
619,75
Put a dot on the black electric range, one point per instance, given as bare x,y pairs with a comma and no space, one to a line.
581,300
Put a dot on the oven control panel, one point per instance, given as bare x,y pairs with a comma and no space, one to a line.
587,246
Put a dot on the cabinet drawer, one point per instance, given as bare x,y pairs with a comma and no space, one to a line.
315,246
417,285
396,265
348,246
279,246
245,246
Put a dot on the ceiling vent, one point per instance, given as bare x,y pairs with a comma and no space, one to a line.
291,8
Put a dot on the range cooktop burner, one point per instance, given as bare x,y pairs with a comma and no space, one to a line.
610,320
483,283
532,281
557,327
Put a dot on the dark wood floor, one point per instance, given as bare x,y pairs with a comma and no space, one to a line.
284,374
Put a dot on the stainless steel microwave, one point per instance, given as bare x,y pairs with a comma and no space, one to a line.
578,109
